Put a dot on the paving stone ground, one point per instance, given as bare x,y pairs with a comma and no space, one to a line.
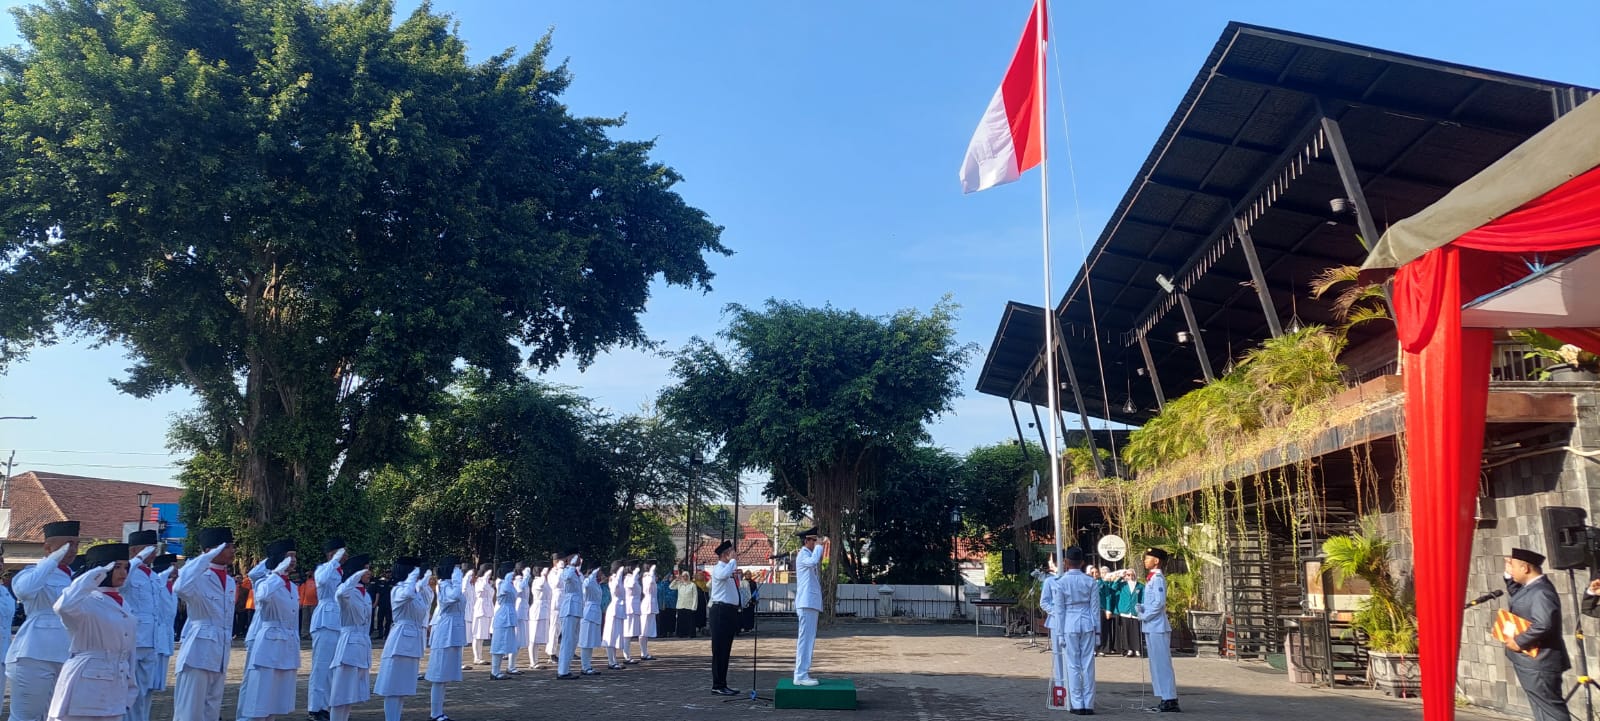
915,672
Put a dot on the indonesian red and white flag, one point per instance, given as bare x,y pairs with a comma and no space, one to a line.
1010,138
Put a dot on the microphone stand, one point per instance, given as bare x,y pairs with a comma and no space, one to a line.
755,656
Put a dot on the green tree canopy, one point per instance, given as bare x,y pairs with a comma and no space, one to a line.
818,397
313,216
909,525
994,502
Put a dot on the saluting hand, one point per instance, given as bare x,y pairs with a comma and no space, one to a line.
1594,587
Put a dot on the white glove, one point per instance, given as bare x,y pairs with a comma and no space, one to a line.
146,553
57,556
338,556
284,565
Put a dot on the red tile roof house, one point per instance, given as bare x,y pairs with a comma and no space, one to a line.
101,506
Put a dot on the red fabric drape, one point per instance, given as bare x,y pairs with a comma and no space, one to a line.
1447,391
1562,219
1585,338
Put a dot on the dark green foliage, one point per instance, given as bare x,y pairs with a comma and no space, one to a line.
994,503
908,519
314,216
819,398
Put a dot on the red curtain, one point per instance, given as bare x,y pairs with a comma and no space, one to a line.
1447,392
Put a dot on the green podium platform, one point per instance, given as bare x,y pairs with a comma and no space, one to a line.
830,693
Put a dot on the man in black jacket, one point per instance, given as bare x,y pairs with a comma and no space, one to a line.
1534,598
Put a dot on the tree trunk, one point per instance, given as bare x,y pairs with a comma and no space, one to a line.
833,491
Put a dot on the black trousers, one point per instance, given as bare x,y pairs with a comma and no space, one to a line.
1544,694
724,621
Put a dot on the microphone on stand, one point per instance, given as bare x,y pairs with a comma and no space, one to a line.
1485,598
777,556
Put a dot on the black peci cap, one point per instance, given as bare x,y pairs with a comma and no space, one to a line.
723,547
1074,554
354,565
278,550
61,529
1158,554
812,531
403,565
1529,557
105,553
162,562
333,543
447,566
506,568
212,537
143,538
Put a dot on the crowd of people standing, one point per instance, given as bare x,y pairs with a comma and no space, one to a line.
98,640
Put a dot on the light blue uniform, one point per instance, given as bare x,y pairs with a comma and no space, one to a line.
1078,605
807,605
1158,636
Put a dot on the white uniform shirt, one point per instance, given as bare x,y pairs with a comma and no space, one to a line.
1153,608
522,596
41,637
808,582
98,678
483,597
327,577
355,625
8,611
450,616
139,596
634,590
617,607
650,603
209,628
539,597
725,582
409,599
505,609
167,619
1050,602
277,624
592,611
1078,602
570,586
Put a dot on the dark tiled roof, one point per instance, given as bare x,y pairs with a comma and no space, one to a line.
99,504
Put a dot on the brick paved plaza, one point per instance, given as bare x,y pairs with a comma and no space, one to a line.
918,672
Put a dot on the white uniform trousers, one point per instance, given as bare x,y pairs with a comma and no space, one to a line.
144,679
33,682
1079,655
804,642
1159,647
1058,659
199,695
158,682
323,643
569,644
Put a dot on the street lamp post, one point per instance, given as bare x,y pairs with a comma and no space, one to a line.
144,504
955,552
696,459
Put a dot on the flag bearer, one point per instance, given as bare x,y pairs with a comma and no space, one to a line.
1157,629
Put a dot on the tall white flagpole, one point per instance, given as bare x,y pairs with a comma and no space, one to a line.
1049,298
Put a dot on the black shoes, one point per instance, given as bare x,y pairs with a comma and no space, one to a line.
1167,706
1083,712
566,677
318,715
724,691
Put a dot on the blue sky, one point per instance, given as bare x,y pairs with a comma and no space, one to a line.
825,136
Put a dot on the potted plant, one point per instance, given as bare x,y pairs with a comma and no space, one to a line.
1562,362
1387,617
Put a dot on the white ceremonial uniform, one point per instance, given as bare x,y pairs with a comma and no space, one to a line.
402,651
552,642
273,659
97,680
34,659
324,630
504,640
649,606
616,613
208,593
351,682
1158,636
166,621
1078,601
483,591
635,597
8,611
1050,603
538,615
571,587
807,605
449,632
140,597
589,630
522,611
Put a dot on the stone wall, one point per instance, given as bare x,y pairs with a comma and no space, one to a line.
1517,491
